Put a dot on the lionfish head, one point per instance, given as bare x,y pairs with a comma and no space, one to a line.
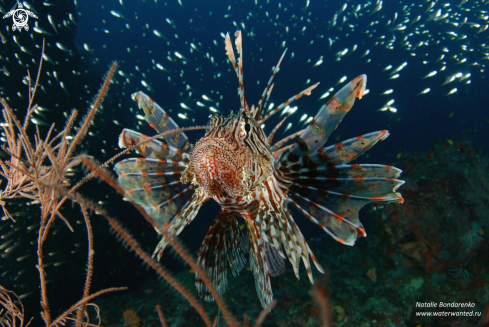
222,160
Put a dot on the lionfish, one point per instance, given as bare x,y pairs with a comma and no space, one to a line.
236,164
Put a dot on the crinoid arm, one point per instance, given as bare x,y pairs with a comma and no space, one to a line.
223,245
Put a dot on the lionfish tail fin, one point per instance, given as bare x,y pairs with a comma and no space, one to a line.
223,243
275,262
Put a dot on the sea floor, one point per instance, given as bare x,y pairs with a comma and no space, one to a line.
367,288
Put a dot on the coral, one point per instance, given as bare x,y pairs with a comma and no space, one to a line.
372,274
472,238
476,190
414,250
131,318
462,271
446,206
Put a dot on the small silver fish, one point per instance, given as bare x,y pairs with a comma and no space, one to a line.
62,47
51,21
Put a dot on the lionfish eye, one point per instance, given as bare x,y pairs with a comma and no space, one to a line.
247,127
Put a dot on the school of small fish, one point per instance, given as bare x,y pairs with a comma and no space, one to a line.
448,39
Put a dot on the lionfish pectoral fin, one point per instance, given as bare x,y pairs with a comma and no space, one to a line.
327,119
332,197
155,185
151,149
224,243
258,263
278,229
158,119
336,154
173,219
349,150
275,262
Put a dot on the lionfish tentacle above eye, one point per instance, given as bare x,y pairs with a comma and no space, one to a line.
235,164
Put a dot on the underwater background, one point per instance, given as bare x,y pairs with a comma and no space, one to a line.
426,67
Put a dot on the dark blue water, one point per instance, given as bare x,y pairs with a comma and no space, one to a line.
419,120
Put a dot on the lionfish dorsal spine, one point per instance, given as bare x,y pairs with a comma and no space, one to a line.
274,130
299,95
238,67
268,88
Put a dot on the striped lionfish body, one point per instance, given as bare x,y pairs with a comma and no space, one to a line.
236,165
